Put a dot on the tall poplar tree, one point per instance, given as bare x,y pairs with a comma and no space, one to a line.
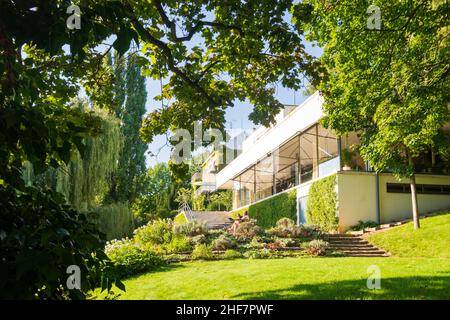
130,96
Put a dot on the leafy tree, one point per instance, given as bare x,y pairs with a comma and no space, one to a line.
130,97
246,49
221,201
41,237
389,84
85,180
184,195
157,194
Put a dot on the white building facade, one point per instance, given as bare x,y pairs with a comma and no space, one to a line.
297,150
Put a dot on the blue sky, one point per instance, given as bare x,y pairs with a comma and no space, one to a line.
236,117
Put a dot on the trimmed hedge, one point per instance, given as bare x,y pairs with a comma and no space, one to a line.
321,207
269,211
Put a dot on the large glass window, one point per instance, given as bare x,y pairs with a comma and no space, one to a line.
244,186
327,151
264,178
308,155
286,165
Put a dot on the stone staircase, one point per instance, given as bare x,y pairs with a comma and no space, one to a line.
353,245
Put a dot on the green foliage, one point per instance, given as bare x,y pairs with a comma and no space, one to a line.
287,228
198,202
192,228
269,211
260,254
156,196
85,179
40,236
347,157
130,259
224,242
199,239
185,195
363,225
202,252
321,207
115,220
154,233
231,254
220,201
257,243
316,247
130,98
247,230
38,77
401,105
177,244
264,27
180,219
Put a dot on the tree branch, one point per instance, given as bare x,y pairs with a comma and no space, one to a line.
170,60
200,24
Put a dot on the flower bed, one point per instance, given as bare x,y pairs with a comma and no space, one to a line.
165,242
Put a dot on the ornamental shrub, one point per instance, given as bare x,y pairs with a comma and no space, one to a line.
178,244
201,238
247,230
130,259
202,252
232,254
154,233
286,228
224,242
40,236
363,224
316,247
192,228
261,254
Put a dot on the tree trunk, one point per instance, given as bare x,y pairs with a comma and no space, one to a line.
415,208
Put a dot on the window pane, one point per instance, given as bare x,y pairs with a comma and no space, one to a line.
308,155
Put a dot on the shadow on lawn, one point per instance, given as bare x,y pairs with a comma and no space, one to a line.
163,268
437,287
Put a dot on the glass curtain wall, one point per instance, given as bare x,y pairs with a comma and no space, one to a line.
307,156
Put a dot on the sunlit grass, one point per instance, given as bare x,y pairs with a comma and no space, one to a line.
420,269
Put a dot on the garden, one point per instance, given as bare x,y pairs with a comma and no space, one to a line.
417,269
162,242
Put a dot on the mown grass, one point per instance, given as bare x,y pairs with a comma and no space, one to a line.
295,278
419,269
432,240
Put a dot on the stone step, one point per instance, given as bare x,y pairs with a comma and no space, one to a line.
340,235
349,242
353,245
343,247
349,238
370,251
366,255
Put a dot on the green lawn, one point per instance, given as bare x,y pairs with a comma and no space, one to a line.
432,240
419,269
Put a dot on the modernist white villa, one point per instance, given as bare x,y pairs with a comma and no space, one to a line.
297,151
